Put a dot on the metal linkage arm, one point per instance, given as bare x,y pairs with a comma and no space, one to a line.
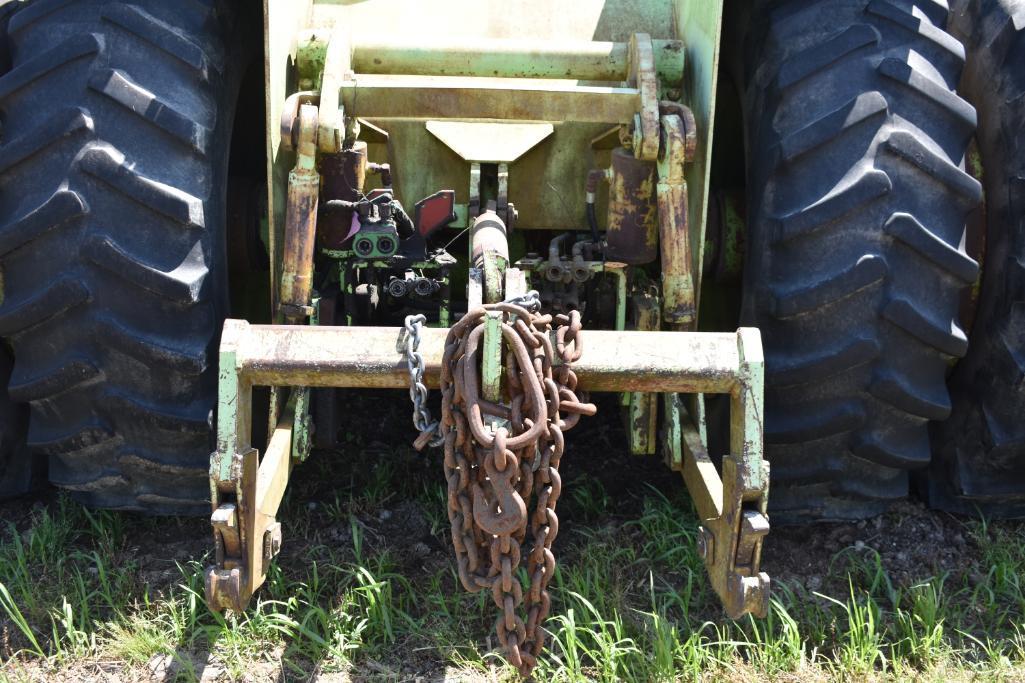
732,506
247,491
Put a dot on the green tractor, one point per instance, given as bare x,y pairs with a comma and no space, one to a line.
786,231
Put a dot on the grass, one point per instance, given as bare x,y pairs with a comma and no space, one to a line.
354,595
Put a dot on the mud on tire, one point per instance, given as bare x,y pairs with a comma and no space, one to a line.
856,212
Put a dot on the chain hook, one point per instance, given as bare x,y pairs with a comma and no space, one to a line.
506,512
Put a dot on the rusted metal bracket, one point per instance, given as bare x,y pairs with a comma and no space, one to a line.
337,70
468,56
643,77
642,408
246,491
732,505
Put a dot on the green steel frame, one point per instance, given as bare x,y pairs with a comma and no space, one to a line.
593,74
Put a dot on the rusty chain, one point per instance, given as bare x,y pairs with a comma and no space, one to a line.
497,455
428,427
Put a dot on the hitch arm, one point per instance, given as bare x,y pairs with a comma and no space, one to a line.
732,506
246,490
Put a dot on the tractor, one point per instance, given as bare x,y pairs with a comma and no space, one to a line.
779,231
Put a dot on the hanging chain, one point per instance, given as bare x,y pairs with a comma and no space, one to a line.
422,420
497,455
530,301
428,427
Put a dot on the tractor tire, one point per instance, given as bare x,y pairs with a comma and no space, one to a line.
857,201
117,118
19,471
980,463
6,11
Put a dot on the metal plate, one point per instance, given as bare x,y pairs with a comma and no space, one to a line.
495,142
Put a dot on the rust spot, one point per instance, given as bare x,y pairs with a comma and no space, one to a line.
633,215
344,175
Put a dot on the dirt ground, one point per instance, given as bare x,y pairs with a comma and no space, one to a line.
911,542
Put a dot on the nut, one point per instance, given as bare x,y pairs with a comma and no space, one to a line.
272,541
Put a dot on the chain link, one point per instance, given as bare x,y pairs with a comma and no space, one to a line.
498,456
422,420
530,301
493,469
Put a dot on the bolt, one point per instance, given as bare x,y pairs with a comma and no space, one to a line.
638,135
626,138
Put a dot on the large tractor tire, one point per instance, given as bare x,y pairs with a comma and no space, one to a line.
117,117
980,462
856,215
19,471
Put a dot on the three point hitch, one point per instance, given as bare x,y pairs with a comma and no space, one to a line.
247,489
499,119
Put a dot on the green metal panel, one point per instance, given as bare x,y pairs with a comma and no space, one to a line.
698,24
593,60
546,184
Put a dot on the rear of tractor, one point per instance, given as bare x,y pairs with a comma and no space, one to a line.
516,204
516,220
